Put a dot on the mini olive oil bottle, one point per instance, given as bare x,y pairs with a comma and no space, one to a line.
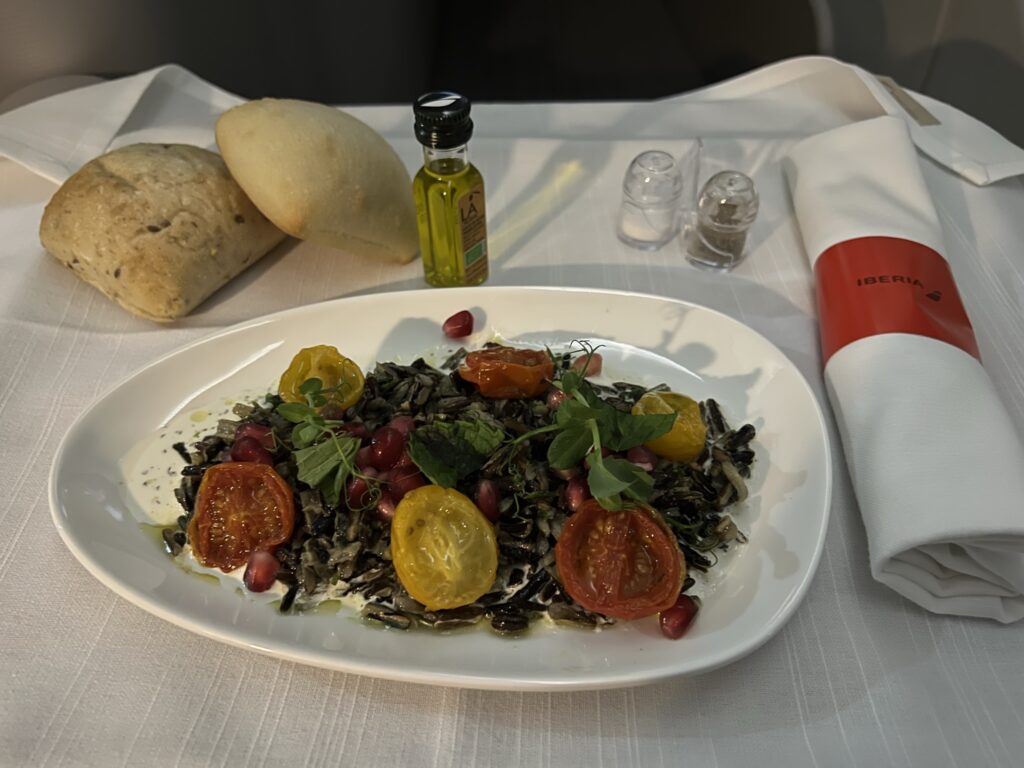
449,193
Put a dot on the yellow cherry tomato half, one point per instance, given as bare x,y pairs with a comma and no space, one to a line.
334,370
685,441
444,550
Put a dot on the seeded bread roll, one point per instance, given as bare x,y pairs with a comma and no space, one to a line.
156,227
322,175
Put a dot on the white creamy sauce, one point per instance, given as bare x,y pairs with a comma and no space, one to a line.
151,471
231,580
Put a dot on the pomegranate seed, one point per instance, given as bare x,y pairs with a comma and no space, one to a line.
357,491
555,398
264,435
458,325
405,461
643,457
488,499
404,479
260,571
388,445
249,449
357,429
385,507
576,492
364,458
404,423
677,619
588,366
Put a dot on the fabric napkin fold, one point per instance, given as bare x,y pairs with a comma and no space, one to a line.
56,136
951,138
936,464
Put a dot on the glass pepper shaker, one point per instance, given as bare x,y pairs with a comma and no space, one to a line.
726,209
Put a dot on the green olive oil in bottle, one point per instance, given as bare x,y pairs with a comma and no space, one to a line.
449,193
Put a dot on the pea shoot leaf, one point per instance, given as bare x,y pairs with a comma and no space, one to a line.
625,431
570,445
612,479
585,424
296,412
570,381
572,412
311,386
604,483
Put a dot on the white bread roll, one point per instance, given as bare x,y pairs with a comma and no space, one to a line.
155,227
322,175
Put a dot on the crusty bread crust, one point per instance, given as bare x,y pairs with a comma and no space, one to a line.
156,227
322,175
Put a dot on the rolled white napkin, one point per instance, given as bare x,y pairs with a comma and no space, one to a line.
936,464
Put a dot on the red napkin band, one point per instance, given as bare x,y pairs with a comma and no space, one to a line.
874,285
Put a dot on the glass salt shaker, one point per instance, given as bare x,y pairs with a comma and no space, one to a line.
651,194
726,208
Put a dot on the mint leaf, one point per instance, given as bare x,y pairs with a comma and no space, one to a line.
331,485
483,436
448,451
570,445
439,470
318,461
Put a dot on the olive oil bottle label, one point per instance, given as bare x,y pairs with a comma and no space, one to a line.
473,223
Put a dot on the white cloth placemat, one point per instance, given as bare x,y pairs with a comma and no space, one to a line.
859,675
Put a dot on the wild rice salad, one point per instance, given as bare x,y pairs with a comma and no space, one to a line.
501,487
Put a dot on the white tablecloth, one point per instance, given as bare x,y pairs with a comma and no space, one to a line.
858,677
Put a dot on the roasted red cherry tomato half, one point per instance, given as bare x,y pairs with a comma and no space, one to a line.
507,372
241,507
623,563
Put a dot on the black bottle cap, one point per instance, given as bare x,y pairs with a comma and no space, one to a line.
442,120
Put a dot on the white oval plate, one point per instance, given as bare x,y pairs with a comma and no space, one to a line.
647,340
